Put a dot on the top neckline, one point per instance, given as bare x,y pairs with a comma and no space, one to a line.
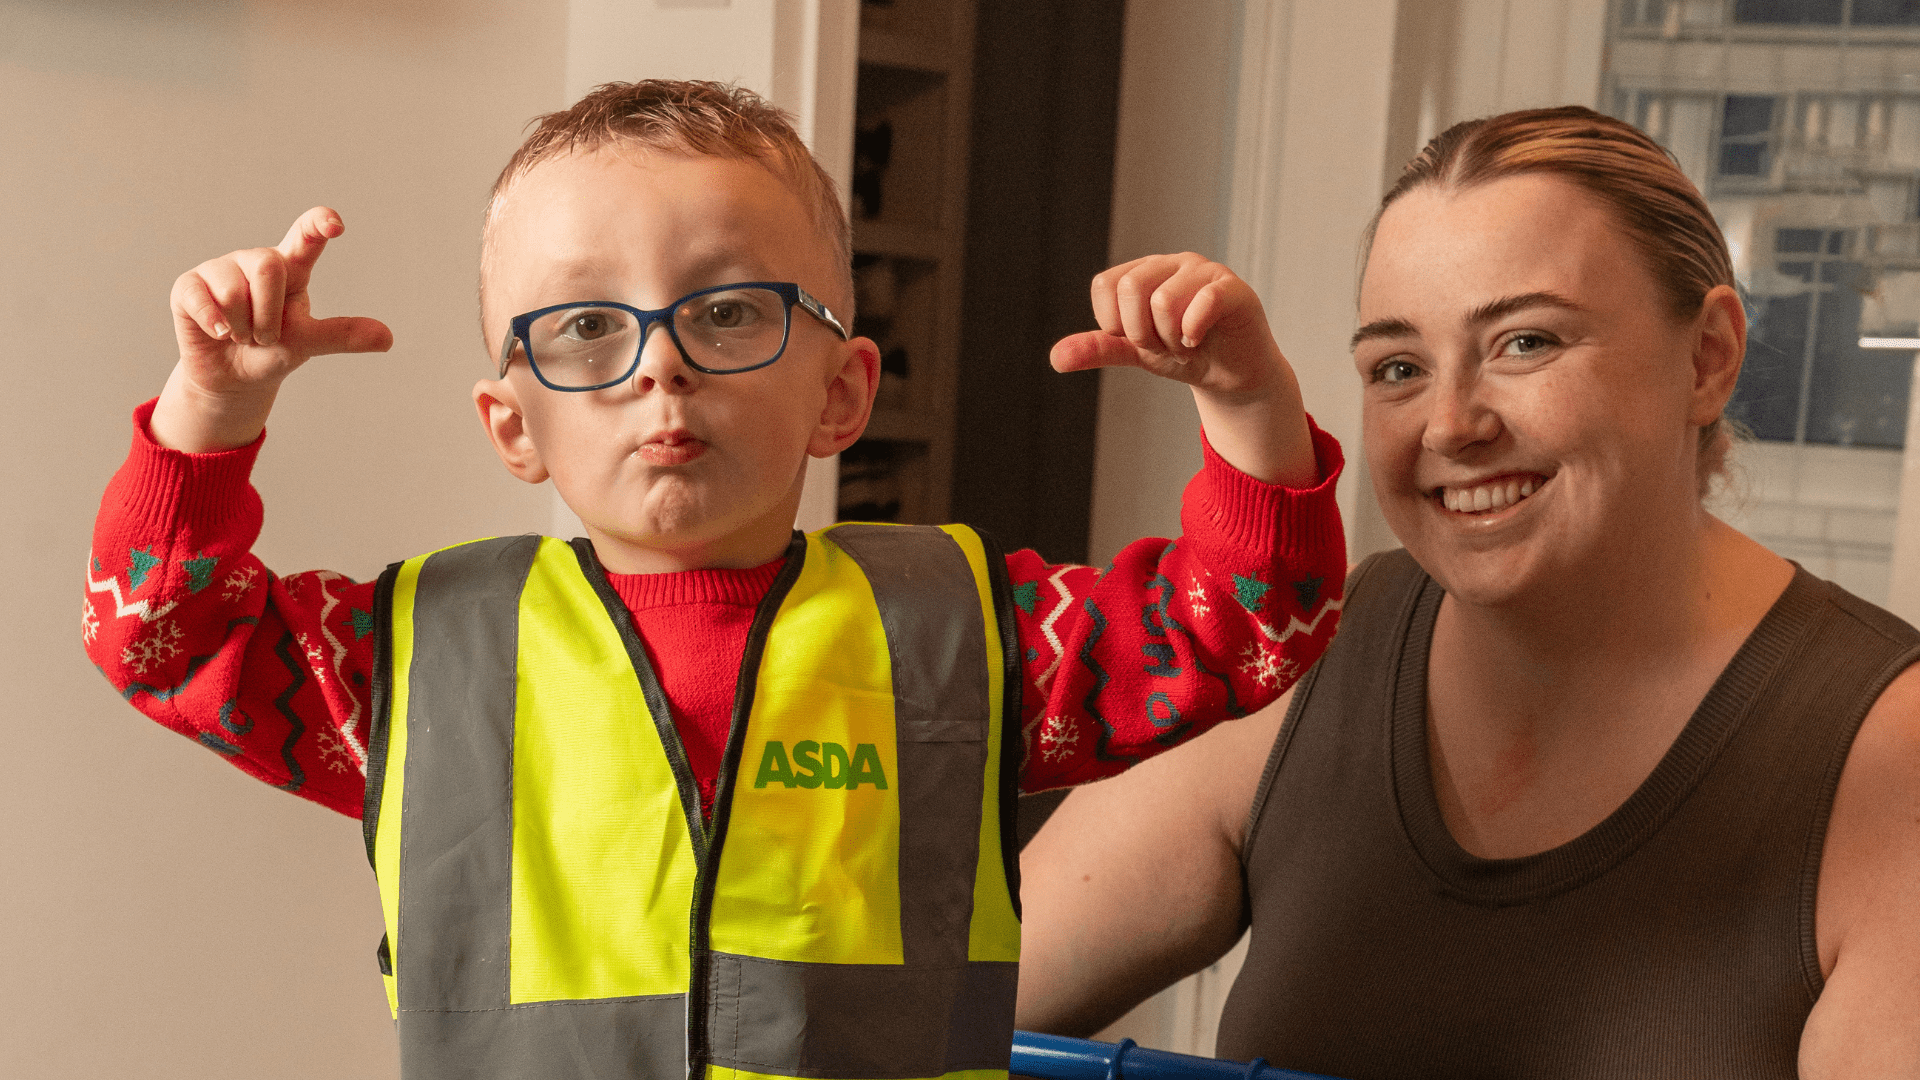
739,588
1530,878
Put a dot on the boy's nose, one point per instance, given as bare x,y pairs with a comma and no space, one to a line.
662,365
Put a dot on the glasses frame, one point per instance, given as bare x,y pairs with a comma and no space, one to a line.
520,329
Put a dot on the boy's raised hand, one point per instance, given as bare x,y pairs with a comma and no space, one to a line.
1187,318
244,323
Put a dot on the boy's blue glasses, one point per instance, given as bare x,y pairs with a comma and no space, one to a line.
719,331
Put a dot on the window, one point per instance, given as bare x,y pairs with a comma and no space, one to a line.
1746,135
1800,122
1792,12
1806,377
1672,16
1886,13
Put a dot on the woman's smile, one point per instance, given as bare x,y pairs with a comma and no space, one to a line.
1482,497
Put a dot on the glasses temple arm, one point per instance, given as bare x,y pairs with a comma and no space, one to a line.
819,311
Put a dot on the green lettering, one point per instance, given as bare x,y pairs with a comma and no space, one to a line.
832,753
773,766
806,760
866,768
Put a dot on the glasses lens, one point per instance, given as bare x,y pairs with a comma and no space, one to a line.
584,346
732,328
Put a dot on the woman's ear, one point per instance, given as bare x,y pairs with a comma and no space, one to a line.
1719,347
850,392
500,414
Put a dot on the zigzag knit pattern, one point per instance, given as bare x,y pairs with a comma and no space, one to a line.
1119,662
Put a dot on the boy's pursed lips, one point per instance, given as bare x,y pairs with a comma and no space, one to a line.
676,446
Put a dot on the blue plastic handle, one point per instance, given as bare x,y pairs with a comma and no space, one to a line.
1056,1057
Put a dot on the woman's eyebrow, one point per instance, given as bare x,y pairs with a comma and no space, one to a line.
1492,311
1382,328
1505,306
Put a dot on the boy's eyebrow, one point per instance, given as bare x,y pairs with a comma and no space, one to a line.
573,269
1491,311
701,266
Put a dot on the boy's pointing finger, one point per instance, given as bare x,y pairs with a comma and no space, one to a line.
346,334
306,240
1093,349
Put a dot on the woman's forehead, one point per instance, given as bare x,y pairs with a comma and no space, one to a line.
1441,249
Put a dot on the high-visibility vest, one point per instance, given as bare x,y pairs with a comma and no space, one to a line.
555,905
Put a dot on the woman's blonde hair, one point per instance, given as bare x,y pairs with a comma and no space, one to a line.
1626,171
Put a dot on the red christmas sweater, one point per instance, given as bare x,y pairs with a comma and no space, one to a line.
273,672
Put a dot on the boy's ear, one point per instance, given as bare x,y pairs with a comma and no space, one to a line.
849,398
499,407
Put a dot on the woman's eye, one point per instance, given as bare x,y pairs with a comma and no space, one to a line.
1526,344
1396,370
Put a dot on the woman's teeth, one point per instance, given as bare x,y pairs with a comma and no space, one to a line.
1494,496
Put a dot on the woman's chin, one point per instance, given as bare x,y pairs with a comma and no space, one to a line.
1482,576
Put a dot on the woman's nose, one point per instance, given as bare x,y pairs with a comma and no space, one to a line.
1459,417
662,365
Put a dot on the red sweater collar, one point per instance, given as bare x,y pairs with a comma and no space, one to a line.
738,587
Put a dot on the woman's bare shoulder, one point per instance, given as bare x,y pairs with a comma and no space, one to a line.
1867,915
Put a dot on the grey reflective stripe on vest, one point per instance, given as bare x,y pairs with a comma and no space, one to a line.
613,1039
920,579
878,1021
456,858
855,1020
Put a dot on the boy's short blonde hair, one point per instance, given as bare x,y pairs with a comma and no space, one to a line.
690,117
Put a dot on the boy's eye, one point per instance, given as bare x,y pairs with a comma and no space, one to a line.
591,325
733,311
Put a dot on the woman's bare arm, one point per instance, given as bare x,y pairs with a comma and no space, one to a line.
1134,882
1867,917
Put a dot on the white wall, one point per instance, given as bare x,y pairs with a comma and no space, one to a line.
1253,133
163,915
1169,194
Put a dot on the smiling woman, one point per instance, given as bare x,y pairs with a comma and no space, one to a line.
1590,783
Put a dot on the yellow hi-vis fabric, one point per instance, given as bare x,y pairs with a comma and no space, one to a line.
555,905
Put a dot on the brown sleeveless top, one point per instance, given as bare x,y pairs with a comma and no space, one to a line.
1674,939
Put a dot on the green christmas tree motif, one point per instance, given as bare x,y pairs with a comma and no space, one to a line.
362,623
1025,596
140,563
1251,592
1308,591
199,571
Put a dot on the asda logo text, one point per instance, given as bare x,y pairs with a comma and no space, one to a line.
817,765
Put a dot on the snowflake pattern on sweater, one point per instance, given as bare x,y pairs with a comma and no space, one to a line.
1119,663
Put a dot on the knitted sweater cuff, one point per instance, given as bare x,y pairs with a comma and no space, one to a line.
1254,515
166,487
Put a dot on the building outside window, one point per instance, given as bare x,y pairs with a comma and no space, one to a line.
1800,122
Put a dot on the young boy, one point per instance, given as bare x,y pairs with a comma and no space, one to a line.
695,791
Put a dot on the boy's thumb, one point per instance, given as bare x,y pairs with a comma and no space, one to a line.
1093,349
346,334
